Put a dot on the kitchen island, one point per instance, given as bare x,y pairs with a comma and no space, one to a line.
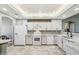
3,46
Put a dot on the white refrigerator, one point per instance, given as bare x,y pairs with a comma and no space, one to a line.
20,32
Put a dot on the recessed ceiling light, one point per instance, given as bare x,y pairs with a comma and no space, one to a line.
4,9
76,8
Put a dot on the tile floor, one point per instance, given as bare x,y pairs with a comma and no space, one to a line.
34,50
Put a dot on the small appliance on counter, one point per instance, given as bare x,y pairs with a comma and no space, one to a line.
4,37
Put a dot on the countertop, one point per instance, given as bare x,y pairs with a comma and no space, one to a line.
74,39
4,41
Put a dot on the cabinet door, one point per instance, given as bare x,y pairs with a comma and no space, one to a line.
50,40
56,39
59,24
30,26
44,39
53,25
59,41
29,39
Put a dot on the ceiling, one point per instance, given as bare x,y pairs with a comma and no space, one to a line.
36,8
70,12
39,11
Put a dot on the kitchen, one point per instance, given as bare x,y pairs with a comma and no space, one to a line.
40,28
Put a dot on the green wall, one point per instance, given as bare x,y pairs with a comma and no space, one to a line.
75,19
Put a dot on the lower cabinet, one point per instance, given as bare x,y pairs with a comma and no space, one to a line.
44,39
59,41
50,40
70,47
29,39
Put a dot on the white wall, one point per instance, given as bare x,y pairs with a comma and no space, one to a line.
7,27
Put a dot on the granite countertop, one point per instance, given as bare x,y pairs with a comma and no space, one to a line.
4,41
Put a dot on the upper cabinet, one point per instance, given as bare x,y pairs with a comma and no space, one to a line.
59,24
53,25
37,25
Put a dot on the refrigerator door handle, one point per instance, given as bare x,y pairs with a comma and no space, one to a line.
16,33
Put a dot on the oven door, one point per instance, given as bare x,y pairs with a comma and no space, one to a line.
37,40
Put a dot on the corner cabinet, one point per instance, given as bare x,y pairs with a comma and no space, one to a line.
59,41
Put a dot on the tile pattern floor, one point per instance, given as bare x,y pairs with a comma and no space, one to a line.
34,50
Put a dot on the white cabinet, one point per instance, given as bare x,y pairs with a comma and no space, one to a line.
19,34
44,39
29,39
53,25
50,39
56,25
49,26
59,24
30,26
37,25
70,47
59,41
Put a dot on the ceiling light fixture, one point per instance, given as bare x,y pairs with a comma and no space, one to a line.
4,9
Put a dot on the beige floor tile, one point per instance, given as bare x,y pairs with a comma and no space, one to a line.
34,50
